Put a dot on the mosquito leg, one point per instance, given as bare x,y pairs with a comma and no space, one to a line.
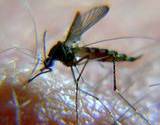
85,63
83,80
77,87
91,95
76,100
87,93
114,76
96,98
117,92
80,74
128,109
133,108
115,87
76,82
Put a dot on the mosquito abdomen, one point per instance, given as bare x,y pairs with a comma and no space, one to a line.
124,57
111,55
104,55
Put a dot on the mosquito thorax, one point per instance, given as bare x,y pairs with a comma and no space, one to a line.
53,53
59,52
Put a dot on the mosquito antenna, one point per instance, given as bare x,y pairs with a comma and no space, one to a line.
37,53
120,38
44,44
28,9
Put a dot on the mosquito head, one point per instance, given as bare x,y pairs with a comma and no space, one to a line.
48,62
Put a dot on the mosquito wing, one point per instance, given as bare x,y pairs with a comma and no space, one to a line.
82,22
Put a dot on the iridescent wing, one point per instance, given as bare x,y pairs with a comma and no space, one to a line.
82,22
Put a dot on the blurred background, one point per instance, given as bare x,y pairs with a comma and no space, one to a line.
125,18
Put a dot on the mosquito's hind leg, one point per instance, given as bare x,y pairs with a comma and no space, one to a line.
128,103
76,100
96,98
91,95
80,74
76,80
114,76
131,107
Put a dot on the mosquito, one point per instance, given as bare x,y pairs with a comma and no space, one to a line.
71,55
